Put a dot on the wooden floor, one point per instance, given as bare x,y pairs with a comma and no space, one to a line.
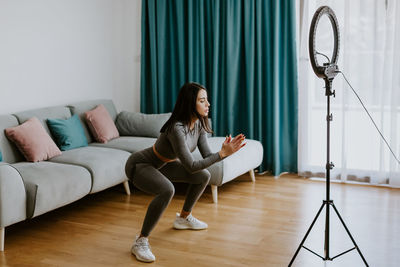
254,224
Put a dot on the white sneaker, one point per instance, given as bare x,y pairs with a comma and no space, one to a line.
189,222
141,249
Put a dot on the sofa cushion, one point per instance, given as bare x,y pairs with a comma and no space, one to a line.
101,124
106,165
139,124
8,149
68,133
128,143
80,108
56,185
43,114
33,141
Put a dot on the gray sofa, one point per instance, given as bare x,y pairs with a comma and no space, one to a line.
30,189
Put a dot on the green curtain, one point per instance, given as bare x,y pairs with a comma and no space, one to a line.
243,51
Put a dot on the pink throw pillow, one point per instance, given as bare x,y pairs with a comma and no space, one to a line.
101,124
33,141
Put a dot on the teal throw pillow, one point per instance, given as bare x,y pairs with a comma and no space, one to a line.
68,133
1,156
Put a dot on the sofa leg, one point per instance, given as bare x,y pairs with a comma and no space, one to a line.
2,231
252,176
214,190
127,190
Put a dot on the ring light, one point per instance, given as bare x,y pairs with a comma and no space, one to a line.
327,70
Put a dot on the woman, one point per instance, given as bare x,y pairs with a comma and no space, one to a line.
153,170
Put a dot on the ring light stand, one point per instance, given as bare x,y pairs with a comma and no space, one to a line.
327,72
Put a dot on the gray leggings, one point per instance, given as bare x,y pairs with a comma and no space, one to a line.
149,174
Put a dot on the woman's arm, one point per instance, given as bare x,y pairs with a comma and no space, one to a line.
229,146
177,138
202,144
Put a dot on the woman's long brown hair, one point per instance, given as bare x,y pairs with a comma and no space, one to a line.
185,108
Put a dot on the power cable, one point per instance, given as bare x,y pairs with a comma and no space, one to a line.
369,115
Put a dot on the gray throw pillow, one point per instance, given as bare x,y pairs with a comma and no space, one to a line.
139,124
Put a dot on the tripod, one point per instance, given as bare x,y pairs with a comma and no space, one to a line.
330,71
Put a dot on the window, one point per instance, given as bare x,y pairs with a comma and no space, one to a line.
370,58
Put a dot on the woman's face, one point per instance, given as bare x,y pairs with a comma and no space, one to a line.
202,103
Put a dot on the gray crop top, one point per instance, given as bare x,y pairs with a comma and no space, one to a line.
179,143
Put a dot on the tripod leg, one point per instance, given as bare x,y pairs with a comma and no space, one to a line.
326,243
308,232
348,232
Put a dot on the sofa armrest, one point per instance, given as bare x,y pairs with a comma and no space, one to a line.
12,196
246,159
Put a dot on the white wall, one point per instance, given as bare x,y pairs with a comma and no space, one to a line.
58,52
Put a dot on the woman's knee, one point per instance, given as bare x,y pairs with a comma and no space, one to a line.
204,176
168,192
